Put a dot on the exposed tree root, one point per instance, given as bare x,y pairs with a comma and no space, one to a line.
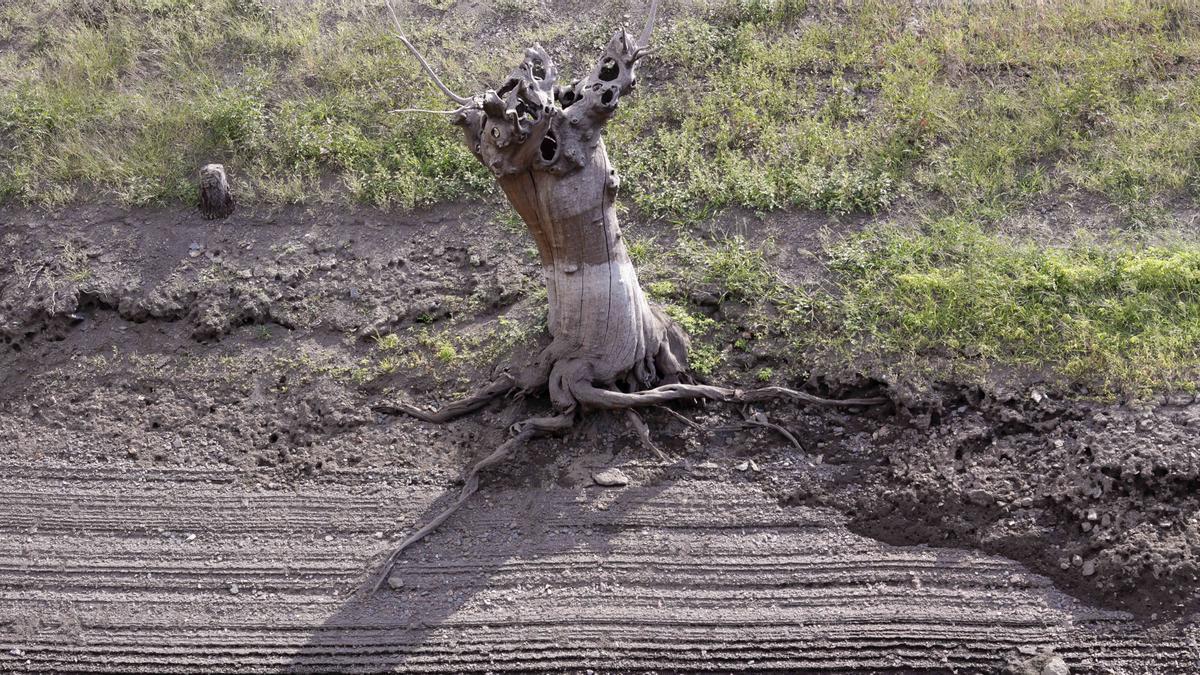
497,388
759,419
590,396
470,485
691,423
643,432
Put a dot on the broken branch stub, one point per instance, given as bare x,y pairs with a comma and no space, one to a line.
216,199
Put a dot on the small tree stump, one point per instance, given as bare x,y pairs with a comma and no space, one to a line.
216,200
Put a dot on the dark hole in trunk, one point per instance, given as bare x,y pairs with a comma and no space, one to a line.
606,97
549,147
609,70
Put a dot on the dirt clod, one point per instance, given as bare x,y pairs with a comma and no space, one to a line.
610,478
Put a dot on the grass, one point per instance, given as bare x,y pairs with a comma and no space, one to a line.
765,104
966,112
1124,319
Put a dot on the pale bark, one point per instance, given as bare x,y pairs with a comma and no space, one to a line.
542,142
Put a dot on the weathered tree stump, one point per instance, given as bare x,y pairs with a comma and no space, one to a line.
542,142
216,199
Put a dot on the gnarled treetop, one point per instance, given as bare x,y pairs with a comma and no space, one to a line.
531,123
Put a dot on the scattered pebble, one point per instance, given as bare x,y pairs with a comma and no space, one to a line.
329,537
610,478
233,589
1056,666
1089,568
394,582
190,537
980,497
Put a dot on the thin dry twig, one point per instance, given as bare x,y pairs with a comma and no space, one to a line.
424,110
690,422
759,419
399,32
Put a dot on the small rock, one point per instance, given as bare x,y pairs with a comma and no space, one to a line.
610,478
379,535
754,467
1056,666
980,497
1077,560
1037,396
1092,515
394,582
233,589
190,537
329,537
743,466
1089,568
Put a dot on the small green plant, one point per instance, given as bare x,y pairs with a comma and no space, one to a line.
387,342
661,289
704,359
764,374
446,353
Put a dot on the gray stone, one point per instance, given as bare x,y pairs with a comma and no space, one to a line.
610,478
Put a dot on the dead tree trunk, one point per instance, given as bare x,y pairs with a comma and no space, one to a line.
542,142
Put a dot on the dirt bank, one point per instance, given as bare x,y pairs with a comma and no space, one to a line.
164,377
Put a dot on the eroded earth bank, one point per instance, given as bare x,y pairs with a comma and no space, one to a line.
193,477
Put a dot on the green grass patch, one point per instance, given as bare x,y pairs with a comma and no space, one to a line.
1124,319
766,104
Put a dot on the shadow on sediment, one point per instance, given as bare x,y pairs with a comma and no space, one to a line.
502,538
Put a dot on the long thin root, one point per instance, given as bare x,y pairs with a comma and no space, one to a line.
497,388
470,485
643,433
589,395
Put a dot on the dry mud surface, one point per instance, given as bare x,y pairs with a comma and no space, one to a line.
193,481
